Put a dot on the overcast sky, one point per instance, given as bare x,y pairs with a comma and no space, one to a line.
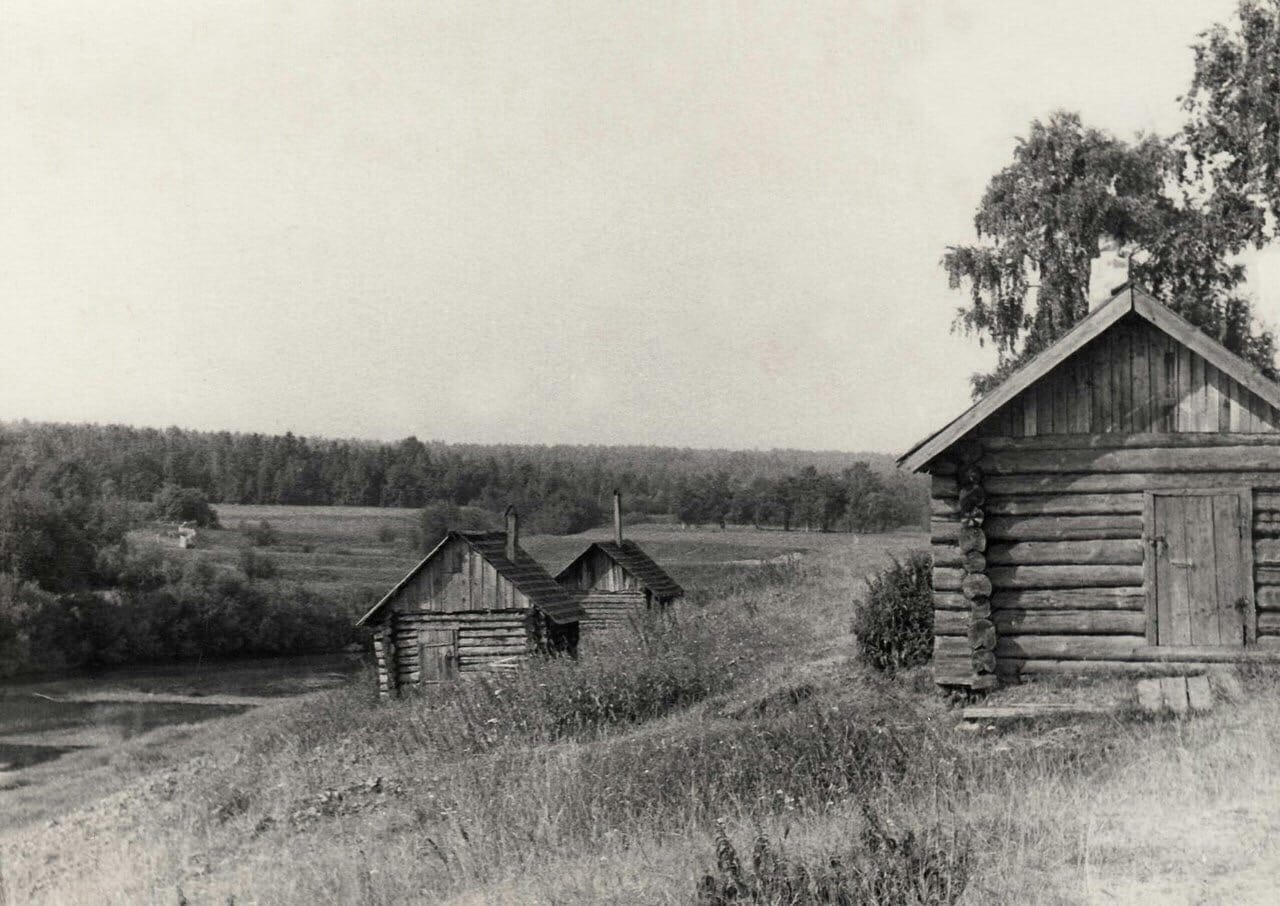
699,225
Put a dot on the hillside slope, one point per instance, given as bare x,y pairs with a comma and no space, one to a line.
610,790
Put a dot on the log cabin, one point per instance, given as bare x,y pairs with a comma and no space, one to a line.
1112,507
615,580
477,602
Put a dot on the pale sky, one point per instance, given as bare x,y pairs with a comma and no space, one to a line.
686,224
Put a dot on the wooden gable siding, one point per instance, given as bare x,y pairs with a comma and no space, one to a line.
1133,379
599,572
459,579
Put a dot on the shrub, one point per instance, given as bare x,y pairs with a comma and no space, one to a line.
262,534
386,533
932,868
174,504
256,565
894,624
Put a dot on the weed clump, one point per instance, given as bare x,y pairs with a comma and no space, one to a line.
261,535
894,624
931,869
256,565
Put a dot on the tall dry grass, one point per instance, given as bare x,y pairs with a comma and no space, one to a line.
620,778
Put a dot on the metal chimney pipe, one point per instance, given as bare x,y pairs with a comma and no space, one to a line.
513,533
617,516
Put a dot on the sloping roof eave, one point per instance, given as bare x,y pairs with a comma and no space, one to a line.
526,575
1127,299
634,560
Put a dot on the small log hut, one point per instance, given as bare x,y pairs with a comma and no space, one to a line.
1113,506
614,580
476,603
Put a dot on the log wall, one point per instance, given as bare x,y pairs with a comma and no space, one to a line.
487,641
1064,549
608,609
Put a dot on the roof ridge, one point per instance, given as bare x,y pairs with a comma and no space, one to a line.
1141,302
525,573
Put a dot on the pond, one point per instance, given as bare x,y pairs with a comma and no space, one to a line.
44,720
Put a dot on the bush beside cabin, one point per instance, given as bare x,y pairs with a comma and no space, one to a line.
1112,507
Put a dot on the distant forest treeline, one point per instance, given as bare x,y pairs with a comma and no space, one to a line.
560,488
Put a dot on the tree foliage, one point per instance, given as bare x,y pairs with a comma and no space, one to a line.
1232,134
174,504
857,499
1072,193
557,489
1044,219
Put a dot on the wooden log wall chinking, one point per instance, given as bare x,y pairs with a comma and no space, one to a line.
975,584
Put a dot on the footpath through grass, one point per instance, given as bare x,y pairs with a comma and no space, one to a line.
744,755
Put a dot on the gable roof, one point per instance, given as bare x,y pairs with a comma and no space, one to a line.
1128,299
634,560
525,573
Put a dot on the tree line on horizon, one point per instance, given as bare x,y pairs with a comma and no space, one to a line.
559,489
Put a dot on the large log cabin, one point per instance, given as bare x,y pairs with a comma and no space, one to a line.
476,603
1113,506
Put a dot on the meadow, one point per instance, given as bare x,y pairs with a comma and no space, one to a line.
744,752
343,548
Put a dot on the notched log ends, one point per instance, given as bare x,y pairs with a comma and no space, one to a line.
975,585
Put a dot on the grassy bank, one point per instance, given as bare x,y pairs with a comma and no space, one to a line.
629,777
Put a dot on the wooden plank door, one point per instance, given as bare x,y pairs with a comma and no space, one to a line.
1200,567
437,653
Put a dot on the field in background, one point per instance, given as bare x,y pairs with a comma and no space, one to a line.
340,549
330,548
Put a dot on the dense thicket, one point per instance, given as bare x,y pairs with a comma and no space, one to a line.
73,594
857,499
559,489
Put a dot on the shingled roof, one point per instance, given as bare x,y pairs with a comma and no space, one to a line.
634,560
526,574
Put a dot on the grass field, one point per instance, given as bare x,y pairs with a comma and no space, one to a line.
370,548
329,548
771,728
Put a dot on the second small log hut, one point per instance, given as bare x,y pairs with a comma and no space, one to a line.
614,580
477,602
